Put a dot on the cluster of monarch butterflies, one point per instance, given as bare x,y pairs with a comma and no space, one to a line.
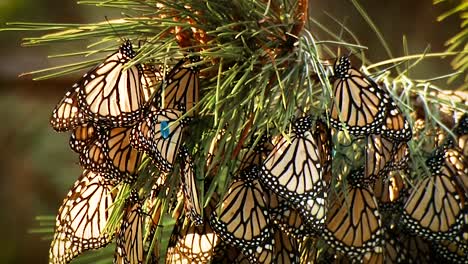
117,115
281,197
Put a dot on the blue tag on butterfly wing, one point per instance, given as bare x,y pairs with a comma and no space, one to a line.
165,131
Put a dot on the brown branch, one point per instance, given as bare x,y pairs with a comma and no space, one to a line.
244,134
300,18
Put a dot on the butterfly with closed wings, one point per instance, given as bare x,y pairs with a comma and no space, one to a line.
82,217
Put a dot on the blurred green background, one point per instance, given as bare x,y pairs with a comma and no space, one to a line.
36,165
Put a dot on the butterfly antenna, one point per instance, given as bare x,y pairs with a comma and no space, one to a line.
124,40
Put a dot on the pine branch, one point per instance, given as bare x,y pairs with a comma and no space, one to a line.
260,68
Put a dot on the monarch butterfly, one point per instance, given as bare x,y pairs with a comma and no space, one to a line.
310,255
93,158
417,250
401,247
151,204
180,89
112,153
428,139
67,114
82,217
159,135
323,133
389,191
392,253
154,207
226,254
82,136
211,163
129,245
295,170
120,152
286,249
455,166
195,244
358,101
353,224
264,254
287,218
456,155
256,155
173,256
192,203
461,132
383,155
395,125
452,100
110,94
379,154
450,251
434,209
150,78
400,157
244,220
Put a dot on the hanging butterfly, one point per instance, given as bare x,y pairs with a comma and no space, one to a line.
120,153
111,95
428,139
395,125
261,255
455,166
358,103
435,207
211,163
400,156
295,169
288,219
195,244
159,135
113,154
450,163
180,88
129,241
93,158
450,102
461,131
286,248
227,254
151,78
390,191
154,206
192,205
330,256
82,218
392,253
401,247
243,221
456,155
417,249
379,155
67,114
384,155
308,250
82,136
450,252
256,155
324,135
353,224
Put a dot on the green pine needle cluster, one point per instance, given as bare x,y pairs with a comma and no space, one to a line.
460,40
